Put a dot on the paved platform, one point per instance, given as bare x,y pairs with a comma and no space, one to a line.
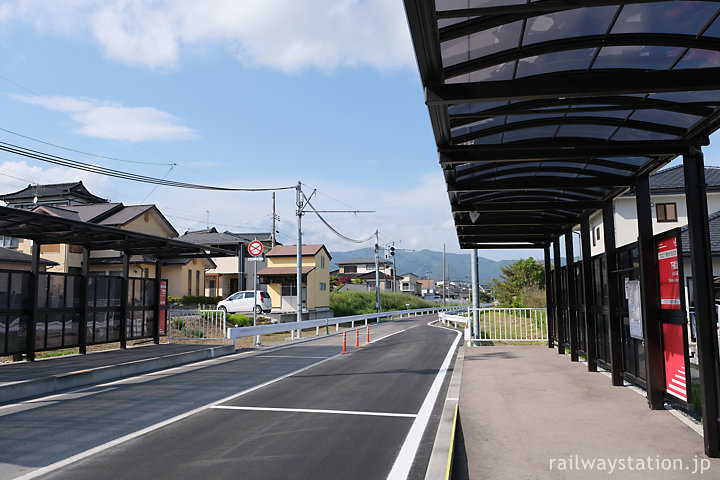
529,413
25,379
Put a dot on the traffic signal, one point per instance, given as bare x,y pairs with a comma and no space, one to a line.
392,251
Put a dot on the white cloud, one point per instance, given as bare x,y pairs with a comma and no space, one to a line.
21,173
288,35
102,119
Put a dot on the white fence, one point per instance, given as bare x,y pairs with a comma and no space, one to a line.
319,323
196,325
509,324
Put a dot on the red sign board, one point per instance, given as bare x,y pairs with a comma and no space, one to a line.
163,301
255,248
669,274
674,352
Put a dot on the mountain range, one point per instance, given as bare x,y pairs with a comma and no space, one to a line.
427,262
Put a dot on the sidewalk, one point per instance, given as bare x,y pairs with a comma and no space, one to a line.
529,413
25,379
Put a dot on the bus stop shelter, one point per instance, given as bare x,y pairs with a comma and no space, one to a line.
545,111
44,310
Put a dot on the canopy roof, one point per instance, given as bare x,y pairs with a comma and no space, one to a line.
49,229
544,110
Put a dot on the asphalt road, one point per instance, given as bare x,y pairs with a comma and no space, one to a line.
297,412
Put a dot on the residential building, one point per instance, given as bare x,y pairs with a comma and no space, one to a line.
364,269
427,288
410,283
58,195
280,276
11,259
230,274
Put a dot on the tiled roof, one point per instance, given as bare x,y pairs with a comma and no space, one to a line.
284,270
291,250
363,261
10,255
211,238
52,190
86,213
714,226
673,178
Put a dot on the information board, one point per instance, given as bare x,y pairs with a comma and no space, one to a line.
669,274
632,289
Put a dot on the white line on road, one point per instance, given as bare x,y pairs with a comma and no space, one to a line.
284,356
313,410
404,460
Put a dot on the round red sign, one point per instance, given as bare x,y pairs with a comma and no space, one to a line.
255,248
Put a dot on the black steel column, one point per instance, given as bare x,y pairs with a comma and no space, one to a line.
571,295
559,324
589,291
124,299
708,359
241,268
650,298
614,318
156,305
84,312
30,330
548,298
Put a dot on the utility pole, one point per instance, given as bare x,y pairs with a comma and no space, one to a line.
444,286
274,217
394,289
299,256
377,272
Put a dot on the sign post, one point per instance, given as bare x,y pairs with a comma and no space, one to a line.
255,249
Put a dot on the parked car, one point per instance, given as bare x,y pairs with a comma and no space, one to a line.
243,302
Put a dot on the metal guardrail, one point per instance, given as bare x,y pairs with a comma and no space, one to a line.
510,324
239,332
447,318
196,325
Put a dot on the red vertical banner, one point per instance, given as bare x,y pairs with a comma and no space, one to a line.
674,352
669,274
163,302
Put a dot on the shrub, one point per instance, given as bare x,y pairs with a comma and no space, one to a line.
239,320
358,303
195,300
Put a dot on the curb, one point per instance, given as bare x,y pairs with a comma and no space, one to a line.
54,383
440,465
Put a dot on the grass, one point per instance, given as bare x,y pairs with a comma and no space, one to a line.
511,327
57,353
344,304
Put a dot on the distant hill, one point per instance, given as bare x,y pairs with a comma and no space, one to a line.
424,261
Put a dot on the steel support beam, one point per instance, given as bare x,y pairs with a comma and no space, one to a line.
649,290
475,293
31,326
709,361
589,294
549,297
571,295
84,312
559,323
124,310
156,302
614,318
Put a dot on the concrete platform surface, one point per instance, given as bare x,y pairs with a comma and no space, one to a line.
529,413
26,379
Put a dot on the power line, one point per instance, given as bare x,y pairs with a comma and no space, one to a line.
80,151
333,229
66,162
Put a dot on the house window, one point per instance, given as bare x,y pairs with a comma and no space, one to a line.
213,287
666,212
350,269
189,283
8,242
323,286
289,290
197,282
370,267
322,261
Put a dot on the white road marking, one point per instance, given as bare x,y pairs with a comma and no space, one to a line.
404,460
313,410
285,356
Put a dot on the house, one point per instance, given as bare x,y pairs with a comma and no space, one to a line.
73,201
364,269
409,283
230,274
280,276
427,288
669,209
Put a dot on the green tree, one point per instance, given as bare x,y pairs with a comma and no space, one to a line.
521,284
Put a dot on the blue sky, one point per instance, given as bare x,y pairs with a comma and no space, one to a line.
235,93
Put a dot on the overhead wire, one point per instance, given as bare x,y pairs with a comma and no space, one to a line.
66,162
332,229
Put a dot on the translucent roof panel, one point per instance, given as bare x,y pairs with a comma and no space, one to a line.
504,71
709,96
480,44
569,23
638,57
665,17
666,117
635,134
465,108
460,4
698,58
602,114
554,62
586,131
529,133
714,29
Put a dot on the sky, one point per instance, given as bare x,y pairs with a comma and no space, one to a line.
231,93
